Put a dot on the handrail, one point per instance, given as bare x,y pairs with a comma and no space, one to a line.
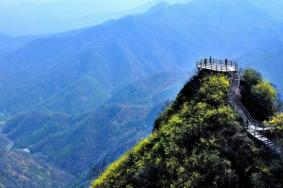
240,104
252,124
253,127
217,65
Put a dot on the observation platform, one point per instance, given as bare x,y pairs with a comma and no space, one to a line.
217,65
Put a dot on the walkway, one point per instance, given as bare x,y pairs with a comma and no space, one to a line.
253,127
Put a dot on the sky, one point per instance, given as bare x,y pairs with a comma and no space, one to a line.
101,5
36,17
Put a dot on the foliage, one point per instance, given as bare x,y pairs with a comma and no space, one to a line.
20,169
198,143
276,122
276,127
259,96
78,143
251,77
265,95
214,89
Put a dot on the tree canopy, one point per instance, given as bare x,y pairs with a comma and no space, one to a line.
258,95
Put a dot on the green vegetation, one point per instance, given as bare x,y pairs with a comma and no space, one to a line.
258,95
20,169
277,123
197,142
276,128
77,144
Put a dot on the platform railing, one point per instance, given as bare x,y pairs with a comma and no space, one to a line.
217,65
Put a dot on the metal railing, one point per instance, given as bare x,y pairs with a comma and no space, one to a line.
253,126
217,65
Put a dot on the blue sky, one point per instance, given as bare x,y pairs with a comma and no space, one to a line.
34,17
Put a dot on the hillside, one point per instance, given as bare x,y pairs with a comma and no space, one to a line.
10,44
269,62
45,132
155,89
198,141
75,143
20,169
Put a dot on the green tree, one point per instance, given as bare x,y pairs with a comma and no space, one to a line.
259,96
276,124
251,77
214,89
265,99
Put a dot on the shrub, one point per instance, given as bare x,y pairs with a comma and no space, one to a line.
265,99
276,124
259,96
251,77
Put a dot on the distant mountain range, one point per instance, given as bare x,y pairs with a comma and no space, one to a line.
268,58
18,18
59,70
80,99
10,44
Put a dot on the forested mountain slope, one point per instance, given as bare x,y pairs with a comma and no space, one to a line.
20,169
75,143
198,141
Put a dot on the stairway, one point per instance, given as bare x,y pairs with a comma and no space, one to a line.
253,127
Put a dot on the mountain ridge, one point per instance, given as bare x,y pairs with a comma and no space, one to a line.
114,55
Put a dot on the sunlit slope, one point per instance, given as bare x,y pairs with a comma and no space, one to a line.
198,142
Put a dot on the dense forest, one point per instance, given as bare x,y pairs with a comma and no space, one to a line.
199,141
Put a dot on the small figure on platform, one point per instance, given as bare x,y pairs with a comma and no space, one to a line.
226,62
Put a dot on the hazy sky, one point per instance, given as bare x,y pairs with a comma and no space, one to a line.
33,17
106,5
102,4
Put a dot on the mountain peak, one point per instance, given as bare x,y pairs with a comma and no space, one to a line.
159,6
197,142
